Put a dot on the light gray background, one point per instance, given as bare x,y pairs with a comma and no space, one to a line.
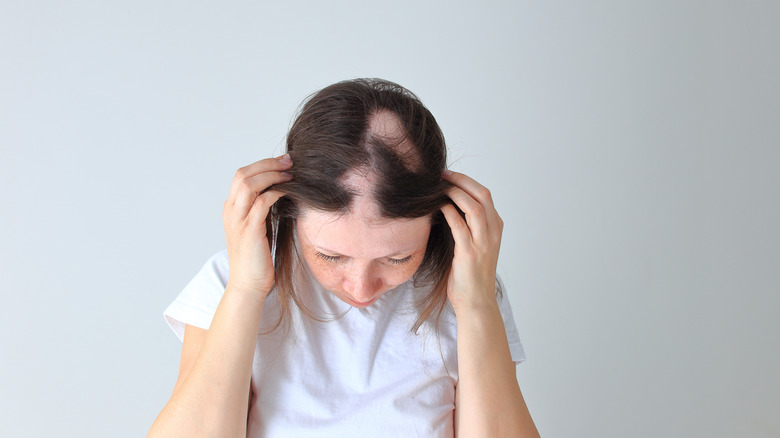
631,147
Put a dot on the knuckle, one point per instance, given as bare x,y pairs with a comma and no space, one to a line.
263,204
245,185
456,224
259,204
478,212
241,173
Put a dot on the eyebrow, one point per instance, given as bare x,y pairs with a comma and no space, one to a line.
336,253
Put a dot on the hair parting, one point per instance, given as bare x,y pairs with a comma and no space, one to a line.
332,136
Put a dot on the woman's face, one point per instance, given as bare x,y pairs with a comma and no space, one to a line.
359,257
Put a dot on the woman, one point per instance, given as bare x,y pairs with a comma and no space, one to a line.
332,311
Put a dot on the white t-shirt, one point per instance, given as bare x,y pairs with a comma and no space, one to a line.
363,373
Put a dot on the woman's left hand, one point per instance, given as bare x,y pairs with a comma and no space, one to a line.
472,279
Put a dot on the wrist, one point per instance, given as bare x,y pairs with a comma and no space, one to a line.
242,291
482,304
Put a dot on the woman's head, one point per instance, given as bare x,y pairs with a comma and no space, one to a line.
365,196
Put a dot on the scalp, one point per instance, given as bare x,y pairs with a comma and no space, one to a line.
385,129
385,133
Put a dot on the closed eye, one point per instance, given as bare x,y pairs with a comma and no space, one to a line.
400,261
327,257
334,259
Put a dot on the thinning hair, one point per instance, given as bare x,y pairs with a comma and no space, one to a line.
332,137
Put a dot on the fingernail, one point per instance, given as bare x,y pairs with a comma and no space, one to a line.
287,174
285,160
446,173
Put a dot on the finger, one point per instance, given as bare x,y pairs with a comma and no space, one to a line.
259,211
478,192
249,189
475,213
470,186
277,164
460,230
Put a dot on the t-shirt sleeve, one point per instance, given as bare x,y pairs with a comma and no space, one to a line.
197,302
515,346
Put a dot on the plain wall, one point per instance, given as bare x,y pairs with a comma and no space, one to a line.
632,149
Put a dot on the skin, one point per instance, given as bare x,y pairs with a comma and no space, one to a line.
359,256
487,391
212,394
359,260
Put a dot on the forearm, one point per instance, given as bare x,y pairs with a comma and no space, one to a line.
212,398
490,403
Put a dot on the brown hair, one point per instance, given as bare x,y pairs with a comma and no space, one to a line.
330,137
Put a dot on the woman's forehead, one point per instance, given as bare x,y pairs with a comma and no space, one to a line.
358,233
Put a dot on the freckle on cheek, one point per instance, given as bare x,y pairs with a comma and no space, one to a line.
409,270
324,268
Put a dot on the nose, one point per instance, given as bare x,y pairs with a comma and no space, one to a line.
362,286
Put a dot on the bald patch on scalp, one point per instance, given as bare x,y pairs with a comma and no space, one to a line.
386,127
361,183
385,131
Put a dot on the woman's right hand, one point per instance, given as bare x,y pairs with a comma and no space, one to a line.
244,216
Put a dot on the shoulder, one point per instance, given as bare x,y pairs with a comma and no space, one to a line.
215,271
219,261
196,304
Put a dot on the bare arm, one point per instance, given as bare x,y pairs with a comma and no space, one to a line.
488,401
210,399
210,396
